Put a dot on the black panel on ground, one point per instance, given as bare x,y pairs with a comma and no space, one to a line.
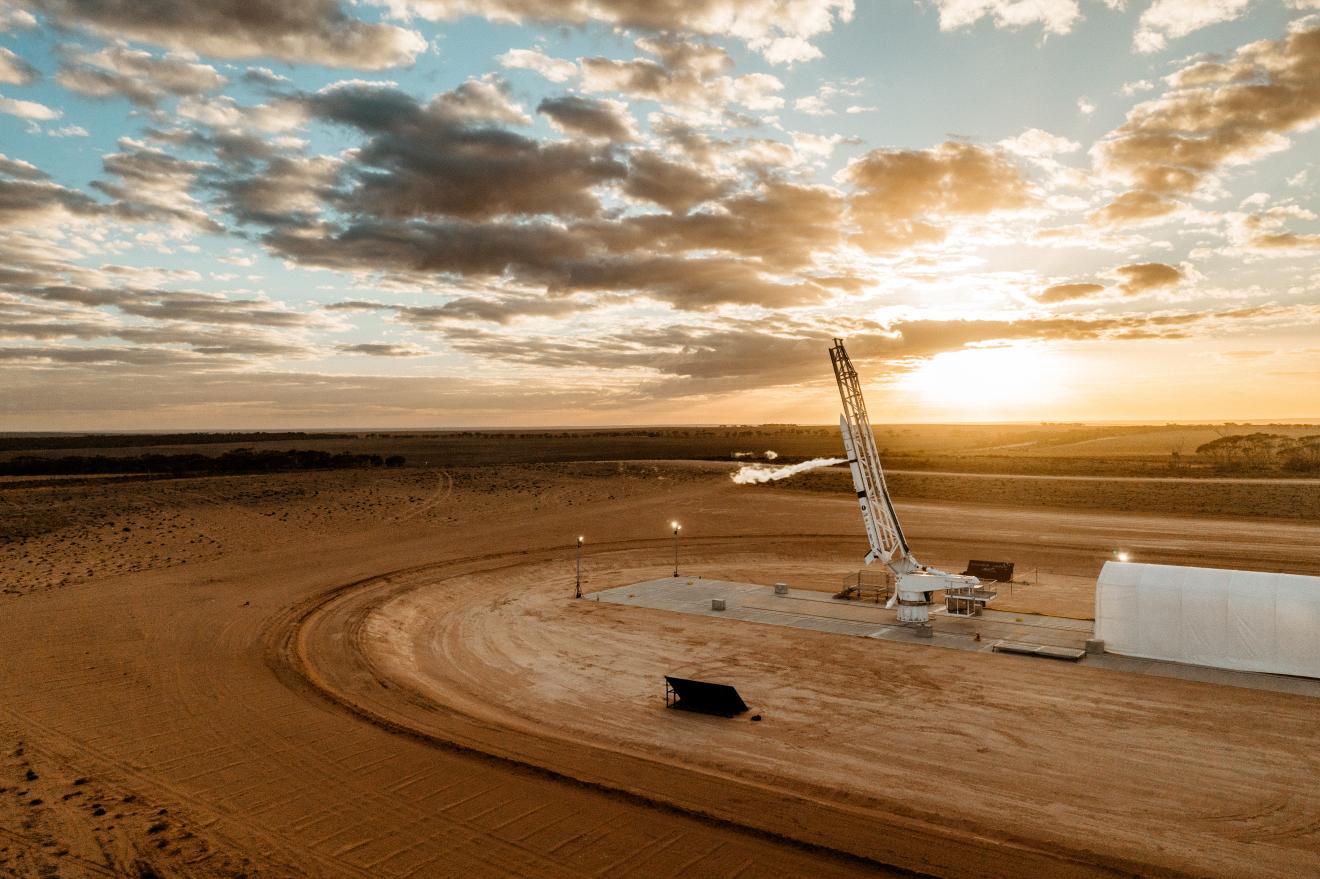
1000,572
703,697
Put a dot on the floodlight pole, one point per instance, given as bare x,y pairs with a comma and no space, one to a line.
677,528
577,591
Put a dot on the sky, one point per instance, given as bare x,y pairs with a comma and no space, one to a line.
456,213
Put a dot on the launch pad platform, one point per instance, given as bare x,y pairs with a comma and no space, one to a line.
1033,635
809,609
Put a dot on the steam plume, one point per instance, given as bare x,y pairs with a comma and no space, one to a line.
758,473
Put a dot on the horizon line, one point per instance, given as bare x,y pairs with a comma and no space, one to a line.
160,431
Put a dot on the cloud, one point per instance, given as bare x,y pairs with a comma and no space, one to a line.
53,299
817,146
85,356
21,169
1068,292
438,159
151,185
176,305
23,318
237,134
242,344
501,309
787,50
905,197
1266,232
480,100
487,249
1133,280
558,260
688,77
12,18
779,29
1164,20
737,356
1132,208
602,119
1053,16
139,76
1216,114
819,103
1287,241
45,294
758,247
263,76
49,330
689,284
381,349
68,131
782,225
673,185
297,31
33,201
16,71
1144,277
1035,143
553,69
289,190
28,110
209,308
641,78
812,105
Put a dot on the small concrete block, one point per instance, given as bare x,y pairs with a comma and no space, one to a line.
781,589
717,604
1095,645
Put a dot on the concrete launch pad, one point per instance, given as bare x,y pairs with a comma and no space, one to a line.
1055,637
807,609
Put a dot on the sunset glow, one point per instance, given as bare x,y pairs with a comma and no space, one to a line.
457,213
987,382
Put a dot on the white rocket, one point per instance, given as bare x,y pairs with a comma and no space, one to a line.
914,581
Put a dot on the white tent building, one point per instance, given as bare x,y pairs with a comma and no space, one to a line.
1243,620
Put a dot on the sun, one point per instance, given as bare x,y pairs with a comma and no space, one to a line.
1002,380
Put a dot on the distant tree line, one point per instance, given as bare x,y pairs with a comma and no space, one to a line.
26,442
236,461
1264,451
772,430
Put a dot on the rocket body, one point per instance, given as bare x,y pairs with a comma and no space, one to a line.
863,493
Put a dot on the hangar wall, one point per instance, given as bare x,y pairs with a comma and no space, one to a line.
1243,620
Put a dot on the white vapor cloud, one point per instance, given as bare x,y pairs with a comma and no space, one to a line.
754,473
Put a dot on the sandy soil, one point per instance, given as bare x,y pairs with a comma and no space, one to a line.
382,674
